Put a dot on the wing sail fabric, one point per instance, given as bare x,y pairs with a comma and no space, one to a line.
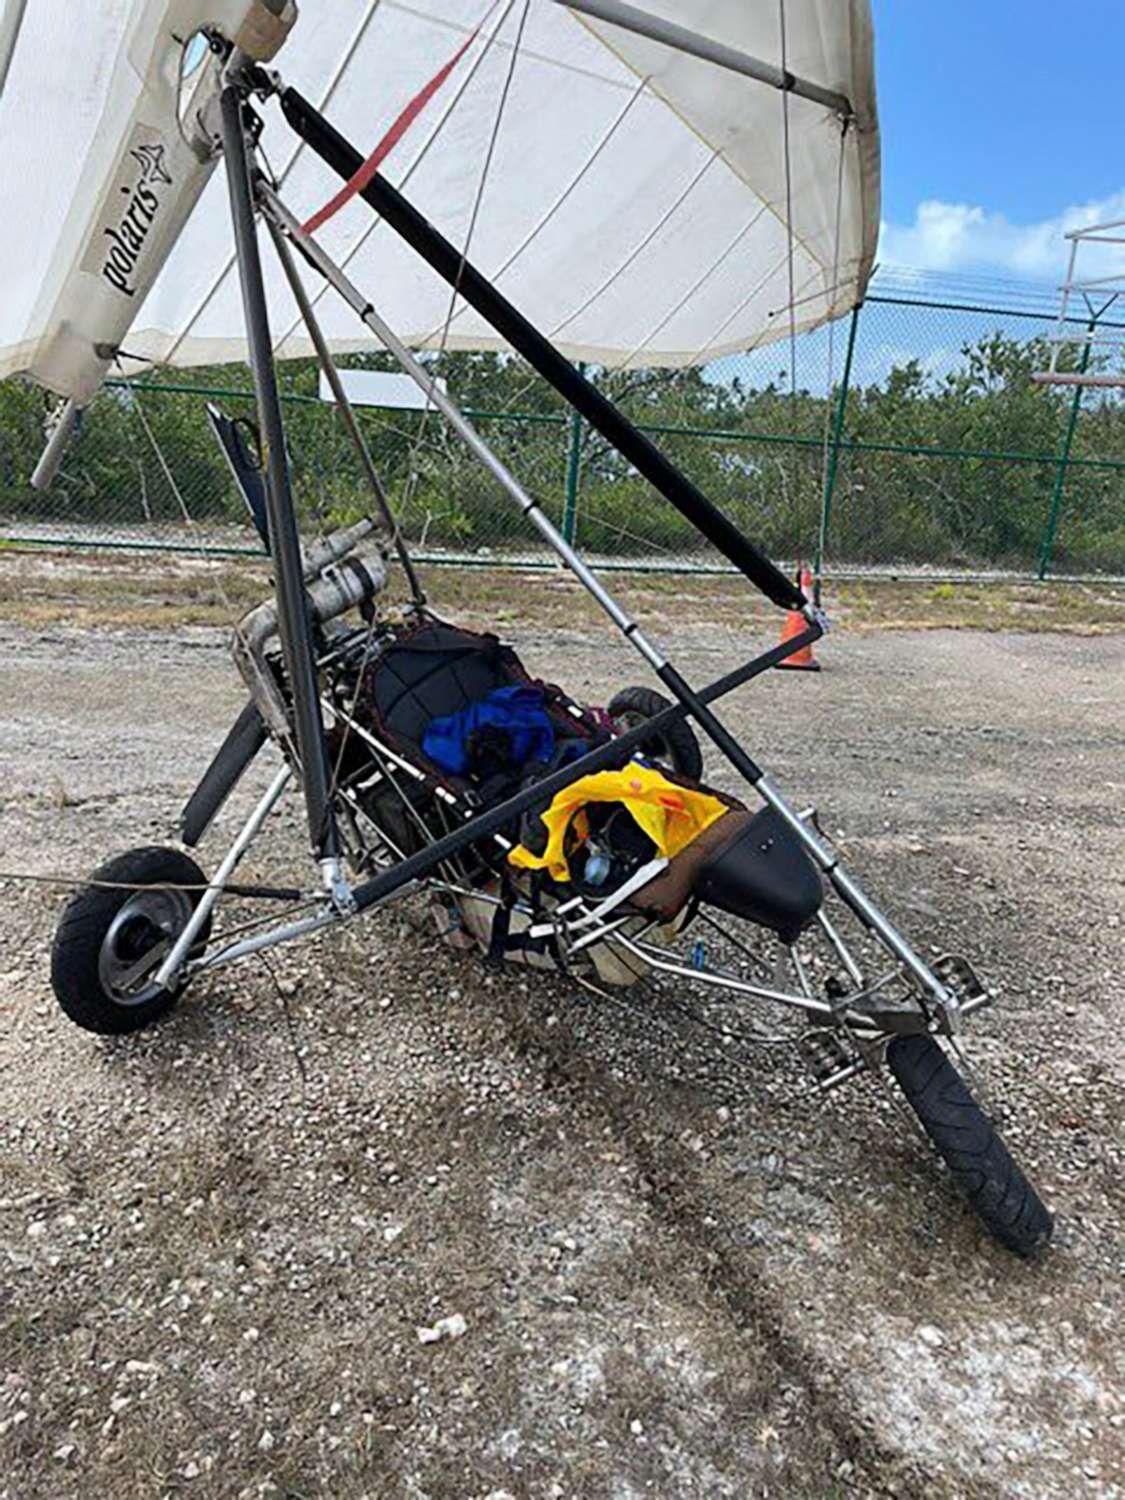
634,206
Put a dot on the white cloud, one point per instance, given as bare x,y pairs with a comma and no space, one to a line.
874,364
961,237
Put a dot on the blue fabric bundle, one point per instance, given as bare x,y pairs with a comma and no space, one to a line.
517,710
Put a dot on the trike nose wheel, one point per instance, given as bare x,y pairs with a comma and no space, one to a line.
970,1145
114,933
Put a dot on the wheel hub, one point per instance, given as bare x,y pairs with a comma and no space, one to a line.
139,936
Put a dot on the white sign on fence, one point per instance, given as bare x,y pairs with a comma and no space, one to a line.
379,388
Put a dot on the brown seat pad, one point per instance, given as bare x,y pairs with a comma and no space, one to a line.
666,895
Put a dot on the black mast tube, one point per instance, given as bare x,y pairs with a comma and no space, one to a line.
541,354
285,545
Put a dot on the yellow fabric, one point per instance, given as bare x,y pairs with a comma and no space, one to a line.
671,815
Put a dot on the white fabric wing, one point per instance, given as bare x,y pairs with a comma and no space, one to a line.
633,202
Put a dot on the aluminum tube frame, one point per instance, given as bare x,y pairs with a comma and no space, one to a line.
659,960
311,250
690,702
843,952
273,938
452,265
294,627
50,460
680,39
288,225
856,899
344,406
174,960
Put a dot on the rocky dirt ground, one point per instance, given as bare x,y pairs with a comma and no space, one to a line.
662,1277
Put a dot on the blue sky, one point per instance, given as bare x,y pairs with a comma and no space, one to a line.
1001,127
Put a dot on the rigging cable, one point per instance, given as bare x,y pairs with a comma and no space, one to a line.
574,182
234,615
794,470
411,482
294,155
162,461
346,260
822,533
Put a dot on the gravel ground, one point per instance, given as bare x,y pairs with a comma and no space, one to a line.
220,1239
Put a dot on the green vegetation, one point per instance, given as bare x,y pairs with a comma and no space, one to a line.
979,495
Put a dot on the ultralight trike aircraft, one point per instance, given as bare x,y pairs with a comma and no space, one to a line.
545,832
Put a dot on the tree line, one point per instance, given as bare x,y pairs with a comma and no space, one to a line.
980,495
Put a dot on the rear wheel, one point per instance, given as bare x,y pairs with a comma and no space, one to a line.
112,938
676,746
970,1145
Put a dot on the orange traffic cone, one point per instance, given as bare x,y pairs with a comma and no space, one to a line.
796,624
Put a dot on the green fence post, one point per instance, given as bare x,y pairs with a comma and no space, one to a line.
1060,469
573,467
834,455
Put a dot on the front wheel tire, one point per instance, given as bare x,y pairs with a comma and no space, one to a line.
970,1145
112,937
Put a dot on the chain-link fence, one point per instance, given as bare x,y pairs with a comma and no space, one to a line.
908,438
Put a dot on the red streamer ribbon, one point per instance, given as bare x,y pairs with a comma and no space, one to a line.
363,176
